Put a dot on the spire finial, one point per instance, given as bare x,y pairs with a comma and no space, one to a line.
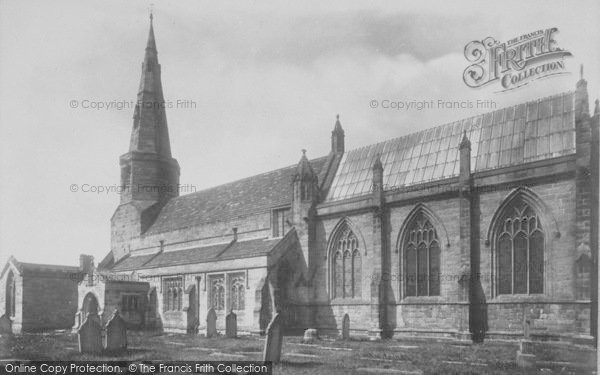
151,10
581,71
303,152
337,117
597,107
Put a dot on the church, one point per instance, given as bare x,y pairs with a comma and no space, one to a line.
462,231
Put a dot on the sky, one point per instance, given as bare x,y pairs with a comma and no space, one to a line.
261,79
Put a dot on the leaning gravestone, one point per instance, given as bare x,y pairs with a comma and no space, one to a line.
116,333
346,327
231,325
274,341
90,336
211,323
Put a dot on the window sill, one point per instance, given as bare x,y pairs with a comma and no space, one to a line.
520,298
349,301
422,299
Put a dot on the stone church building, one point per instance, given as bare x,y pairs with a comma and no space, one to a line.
464,230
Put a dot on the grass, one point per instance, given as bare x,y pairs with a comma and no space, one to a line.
323,357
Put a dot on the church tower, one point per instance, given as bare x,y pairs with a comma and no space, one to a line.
149,175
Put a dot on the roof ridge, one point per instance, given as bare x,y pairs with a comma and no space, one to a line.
247,178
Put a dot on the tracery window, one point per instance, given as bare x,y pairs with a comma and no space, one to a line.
421,251
217,293
520,242
347,265
172,294
237,295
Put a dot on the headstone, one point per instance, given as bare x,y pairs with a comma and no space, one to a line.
231,325
116,333
274,341
310,335
211,323
525,354
346,327
5,324
90,336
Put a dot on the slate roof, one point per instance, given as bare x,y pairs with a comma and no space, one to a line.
211,253
249,196
527,132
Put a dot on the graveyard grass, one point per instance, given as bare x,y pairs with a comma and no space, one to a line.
323,357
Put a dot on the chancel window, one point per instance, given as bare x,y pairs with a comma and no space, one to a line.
347,265
237,293
172,294
520,245
421,258
11,294
217,293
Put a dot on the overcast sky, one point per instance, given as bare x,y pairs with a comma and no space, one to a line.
267,77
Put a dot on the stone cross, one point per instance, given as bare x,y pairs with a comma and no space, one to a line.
346,327
116,333
90,336
274,341
231,325
211,323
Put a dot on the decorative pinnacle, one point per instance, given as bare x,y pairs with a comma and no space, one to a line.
377,164
597,107
465,141
151,9
303,152
581,71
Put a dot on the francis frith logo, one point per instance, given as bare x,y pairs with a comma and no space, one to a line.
514,63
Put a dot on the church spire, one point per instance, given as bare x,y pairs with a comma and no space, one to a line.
150,132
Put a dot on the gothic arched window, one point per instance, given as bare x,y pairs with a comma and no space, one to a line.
421,258
237,294
172,294
11,294
346,265
520,251
218,294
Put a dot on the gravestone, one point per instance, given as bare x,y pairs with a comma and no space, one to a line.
310,336
231,325
274,341
116,333
211,323
90,336
346,327
5,324
525,354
